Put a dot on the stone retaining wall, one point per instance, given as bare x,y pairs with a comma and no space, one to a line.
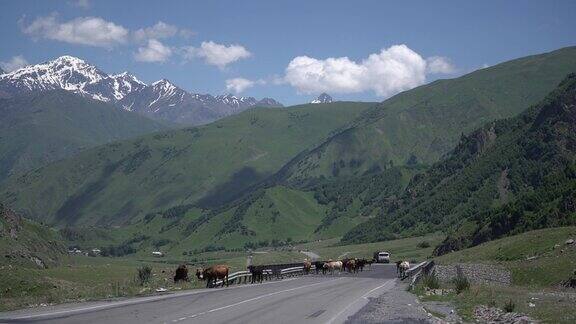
476,273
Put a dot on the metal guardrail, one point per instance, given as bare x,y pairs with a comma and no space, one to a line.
415,268
276,271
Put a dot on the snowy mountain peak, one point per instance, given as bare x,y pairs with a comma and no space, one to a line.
322,98
162,99
127,76
164,86
69,59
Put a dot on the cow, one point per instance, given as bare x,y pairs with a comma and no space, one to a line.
181,273
351,266
257,273
319,265
361,263
369,263
214,273
403,268
333,266
307,265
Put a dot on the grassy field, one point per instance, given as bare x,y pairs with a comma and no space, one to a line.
537,269
401,249
81,279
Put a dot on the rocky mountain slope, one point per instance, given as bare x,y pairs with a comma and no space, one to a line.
161,100
507,177
322,98
26,243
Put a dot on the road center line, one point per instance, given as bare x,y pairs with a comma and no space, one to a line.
259,297
359,298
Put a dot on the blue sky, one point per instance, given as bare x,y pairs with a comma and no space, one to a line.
288,50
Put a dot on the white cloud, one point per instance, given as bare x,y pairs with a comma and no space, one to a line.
84,4
388,72
439,64
392,70
91,31
217,54
154,51
158,31
238,85
15,63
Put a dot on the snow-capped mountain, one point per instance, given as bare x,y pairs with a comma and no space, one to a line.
322,98
160,100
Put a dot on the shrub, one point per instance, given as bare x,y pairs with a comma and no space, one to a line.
144,274
461,283
423,244
431,281
509,306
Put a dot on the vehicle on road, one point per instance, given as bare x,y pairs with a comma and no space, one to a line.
382,257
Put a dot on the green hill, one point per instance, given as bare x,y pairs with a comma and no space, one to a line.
40,128
26,243
508,177
423,124
352,193
206,165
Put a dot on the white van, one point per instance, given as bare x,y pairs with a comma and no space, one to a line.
382,257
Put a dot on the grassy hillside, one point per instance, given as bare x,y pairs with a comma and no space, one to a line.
28,244
508,177
539,261
41,128
423,124
206,165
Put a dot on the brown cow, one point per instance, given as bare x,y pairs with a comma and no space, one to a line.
307,266
214,273
351,266
181,273
333,266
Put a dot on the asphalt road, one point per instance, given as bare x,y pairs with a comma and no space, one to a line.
308,299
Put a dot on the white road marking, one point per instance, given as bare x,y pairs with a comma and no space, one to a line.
358,299
133,301
257,298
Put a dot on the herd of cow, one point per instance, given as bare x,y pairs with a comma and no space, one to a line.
350,265
220,272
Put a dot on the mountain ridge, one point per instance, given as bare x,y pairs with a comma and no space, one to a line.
159,100
507,177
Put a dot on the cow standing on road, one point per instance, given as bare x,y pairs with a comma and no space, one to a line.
307,265
214,273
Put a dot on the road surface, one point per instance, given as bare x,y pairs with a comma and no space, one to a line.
308,299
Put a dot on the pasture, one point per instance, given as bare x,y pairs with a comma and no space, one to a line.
538,261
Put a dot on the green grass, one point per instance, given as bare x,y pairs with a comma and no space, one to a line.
400,249
533,281
81,279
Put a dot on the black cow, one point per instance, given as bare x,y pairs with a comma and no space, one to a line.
257,273
181,273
